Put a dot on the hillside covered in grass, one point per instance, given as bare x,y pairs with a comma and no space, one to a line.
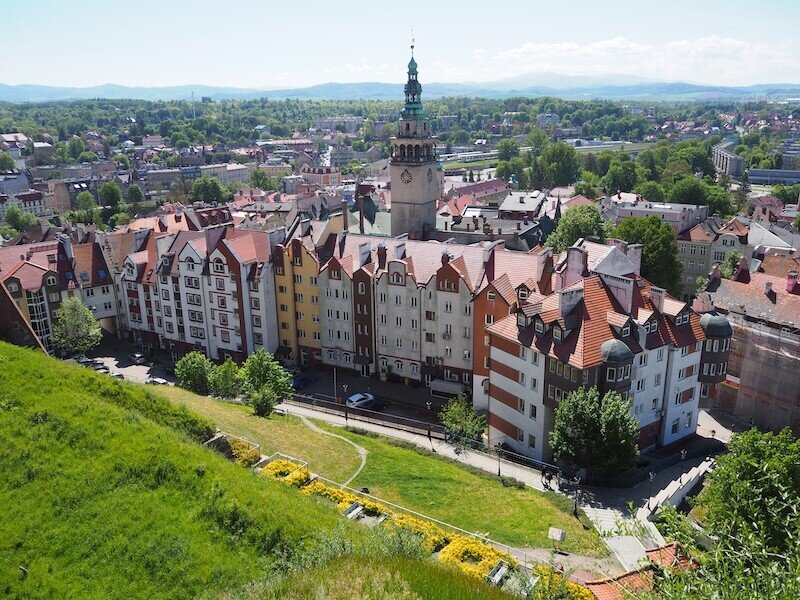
106,493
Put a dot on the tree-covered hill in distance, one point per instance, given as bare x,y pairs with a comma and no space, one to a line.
106,492
612,87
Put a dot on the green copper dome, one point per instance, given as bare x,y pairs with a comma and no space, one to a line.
412,65
715,325
615,351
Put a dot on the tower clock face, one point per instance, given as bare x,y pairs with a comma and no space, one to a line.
405,176
430,175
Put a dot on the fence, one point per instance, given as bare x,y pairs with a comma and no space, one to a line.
432,430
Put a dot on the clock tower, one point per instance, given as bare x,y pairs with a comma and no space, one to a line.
415,182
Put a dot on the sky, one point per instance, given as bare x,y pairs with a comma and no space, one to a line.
267,44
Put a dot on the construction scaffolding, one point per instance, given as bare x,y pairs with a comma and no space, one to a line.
763,383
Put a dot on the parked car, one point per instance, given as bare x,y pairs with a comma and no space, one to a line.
91,363
103,369
138,358
301,380
364,400
156,381
117,375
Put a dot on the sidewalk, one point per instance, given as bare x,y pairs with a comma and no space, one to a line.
607,508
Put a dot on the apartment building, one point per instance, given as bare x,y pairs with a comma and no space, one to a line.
709,243
609,328
207,290
297,289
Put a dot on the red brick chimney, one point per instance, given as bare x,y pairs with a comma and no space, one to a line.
791,281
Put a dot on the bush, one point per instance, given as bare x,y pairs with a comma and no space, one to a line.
224,380
472,556
434,538
193,372
512,482
264,401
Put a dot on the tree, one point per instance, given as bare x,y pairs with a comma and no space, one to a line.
135,195
75,329
652,191
507,149
264,401
206,189
579,222
660,264
6,162
193,371
595,434
688,190
588,184
224,380
110,195
461,421
755,489
730,264
259,179
18,219
75,147
621,176
560,164
85,201
262,370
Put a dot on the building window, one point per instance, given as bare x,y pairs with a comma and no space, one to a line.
675,424
657,380
626,331
640,385
643,360
689,420
220,284
490,295
660,355
258,339
532,411
521,378
611,374
539,326
219,267
298,279
489,319
398,365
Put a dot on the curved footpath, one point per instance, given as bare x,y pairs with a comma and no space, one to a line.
606,508
362,452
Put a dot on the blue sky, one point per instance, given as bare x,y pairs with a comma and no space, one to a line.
263,44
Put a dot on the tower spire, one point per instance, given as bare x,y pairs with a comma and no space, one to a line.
412,42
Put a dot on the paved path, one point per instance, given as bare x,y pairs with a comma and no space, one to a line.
608,509
362,452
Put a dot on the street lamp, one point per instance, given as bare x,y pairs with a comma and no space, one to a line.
652,476
497,450
577,483
344,388
683,454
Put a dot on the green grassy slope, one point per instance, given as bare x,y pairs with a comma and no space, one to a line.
105,493
100,501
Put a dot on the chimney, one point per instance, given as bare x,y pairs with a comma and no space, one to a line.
445,256
381,255
768,288
791,281
360,211
577,265
634,253
445,226
657,296
363,253
519,226
399,251
345,222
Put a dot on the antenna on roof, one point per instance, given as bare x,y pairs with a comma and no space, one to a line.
412,42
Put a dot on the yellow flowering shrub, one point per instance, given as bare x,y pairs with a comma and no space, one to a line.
433,536
472,556
244,453
550,579
280,467
343,498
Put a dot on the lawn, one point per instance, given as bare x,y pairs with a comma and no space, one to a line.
106,492
472,501
330,457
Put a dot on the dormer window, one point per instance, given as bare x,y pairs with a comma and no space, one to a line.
397,278
557,332
219,266
521,320
539,326
522,294
626,331
52,281
490,295
681,319
190,264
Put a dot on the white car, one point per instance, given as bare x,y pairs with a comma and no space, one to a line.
156,381
138,358
361,400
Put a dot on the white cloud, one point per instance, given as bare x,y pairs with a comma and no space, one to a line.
714,59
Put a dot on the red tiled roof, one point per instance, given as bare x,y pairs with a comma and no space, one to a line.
779,266
29,275
621,586
590,325
89,261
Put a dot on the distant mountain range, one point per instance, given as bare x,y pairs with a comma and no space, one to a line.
611,86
